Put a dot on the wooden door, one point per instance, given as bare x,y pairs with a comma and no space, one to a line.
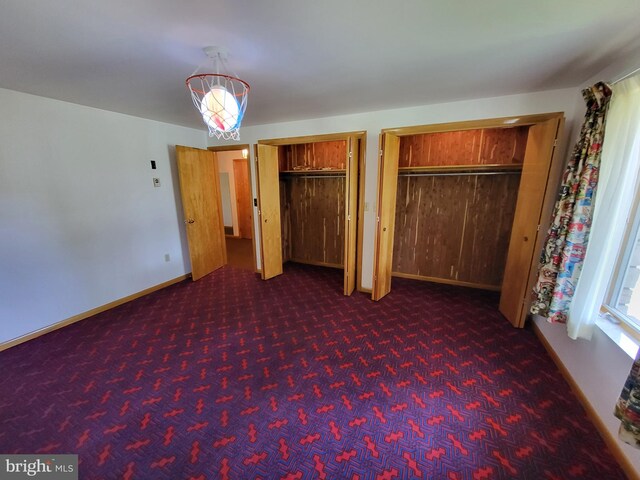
269,211
243,197
202,206
351,215
386,215
530,220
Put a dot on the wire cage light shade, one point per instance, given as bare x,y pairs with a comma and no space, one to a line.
221,99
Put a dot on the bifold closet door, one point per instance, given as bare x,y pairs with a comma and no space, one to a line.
269,211
535,200
386,215
202,206
351,215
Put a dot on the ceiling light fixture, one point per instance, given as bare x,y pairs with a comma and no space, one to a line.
220,98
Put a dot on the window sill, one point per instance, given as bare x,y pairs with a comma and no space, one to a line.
619,336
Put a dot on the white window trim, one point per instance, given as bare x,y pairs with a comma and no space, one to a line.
619,333
625,327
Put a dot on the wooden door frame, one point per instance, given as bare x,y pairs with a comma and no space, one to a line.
361,136
500,122
231,148
248,197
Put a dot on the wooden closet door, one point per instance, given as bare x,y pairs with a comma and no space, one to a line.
269,211
202,206
351,215
386,215
535,200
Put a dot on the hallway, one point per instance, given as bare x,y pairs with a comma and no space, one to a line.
239,253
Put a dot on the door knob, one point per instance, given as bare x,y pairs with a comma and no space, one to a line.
191,220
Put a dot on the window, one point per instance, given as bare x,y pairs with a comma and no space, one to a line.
623,300
612,236
623,296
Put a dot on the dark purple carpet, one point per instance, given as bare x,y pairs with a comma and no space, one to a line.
235,378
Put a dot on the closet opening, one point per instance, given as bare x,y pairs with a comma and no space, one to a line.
464,204
308,189
456,200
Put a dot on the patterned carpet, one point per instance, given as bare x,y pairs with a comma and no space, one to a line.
235,378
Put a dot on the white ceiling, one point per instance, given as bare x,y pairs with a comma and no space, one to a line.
305,58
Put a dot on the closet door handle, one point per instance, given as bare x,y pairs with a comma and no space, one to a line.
384,229
526,239
266,220
191,220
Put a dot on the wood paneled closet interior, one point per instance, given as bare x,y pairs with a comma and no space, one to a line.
464,204
308,197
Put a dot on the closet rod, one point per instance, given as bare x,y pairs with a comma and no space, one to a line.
314,176
451,174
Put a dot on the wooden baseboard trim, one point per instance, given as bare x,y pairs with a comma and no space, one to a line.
481,286
89,313
317,264
611,441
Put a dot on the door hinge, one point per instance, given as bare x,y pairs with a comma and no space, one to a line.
378,219
349,218
555,142
380,152
350,154
538,229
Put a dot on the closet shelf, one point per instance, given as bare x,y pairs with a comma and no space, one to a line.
489,168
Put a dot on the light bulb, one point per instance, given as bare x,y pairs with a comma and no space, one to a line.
220,109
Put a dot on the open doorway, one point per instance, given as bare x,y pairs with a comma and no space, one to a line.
235,188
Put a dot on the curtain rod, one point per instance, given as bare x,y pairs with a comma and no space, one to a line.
624,77
450,174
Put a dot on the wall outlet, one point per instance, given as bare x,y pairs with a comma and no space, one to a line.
156,182
167,257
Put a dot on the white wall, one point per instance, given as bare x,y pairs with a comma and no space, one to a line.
81,223
372,122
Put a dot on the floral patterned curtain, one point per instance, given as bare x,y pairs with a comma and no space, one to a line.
567,238
628,407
